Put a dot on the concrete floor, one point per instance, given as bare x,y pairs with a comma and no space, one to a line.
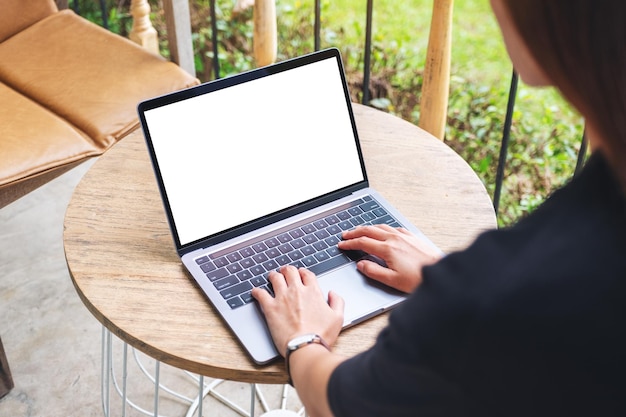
54,345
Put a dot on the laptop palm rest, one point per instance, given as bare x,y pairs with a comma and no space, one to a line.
363,297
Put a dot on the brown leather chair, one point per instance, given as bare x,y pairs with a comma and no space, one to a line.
68,92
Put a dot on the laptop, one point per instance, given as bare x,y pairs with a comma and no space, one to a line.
263,169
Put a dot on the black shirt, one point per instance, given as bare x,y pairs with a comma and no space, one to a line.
528,321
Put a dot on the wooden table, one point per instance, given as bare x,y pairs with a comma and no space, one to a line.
124,266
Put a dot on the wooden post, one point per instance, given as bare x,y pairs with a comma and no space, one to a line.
6,381
178,22
265,35
436,88
142,31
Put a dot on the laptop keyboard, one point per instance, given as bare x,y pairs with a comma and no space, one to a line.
311,244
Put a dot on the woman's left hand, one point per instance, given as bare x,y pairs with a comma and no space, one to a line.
299,307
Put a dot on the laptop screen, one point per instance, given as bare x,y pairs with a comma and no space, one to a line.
237,154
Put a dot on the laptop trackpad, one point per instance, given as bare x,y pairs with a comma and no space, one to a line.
364,297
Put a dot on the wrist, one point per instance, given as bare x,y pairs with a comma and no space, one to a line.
299,343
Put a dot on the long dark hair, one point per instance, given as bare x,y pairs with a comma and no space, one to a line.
581,46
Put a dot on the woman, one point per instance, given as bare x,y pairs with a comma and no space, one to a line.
529,320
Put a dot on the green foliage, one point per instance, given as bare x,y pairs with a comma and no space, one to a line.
546,132
235,41
118,16
545,138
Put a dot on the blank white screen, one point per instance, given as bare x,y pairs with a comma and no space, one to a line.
243,152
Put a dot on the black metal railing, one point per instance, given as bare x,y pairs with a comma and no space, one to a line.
506,139
317,29
506,134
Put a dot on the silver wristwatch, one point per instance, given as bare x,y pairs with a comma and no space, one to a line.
299,342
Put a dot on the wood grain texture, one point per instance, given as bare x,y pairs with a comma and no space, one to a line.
178,28
125,269
265,40
436,88
142,32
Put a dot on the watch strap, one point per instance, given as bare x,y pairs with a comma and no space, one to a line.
300,342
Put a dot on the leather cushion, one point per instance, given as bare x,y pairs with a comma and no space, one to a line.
17,15
86,74
34,140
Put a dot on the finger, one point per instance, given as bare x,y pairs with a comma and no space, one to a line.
278,281
291,274
308,277
262,296
404,231
366,244
367,231
386,228
376,272
381,233
336,302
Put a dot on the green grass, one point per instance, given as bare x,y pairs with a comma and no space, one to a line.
546,132
478,52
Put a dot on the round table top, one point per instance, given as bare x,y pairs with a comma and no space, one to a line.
124,265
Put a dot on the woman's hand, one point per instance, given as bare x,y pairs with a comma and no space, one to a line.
404,253
299,307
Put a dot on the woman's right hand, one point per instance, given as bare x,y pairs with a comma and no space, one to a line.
404,253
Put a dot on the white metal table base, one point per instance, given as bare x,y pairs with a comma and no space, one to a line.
205,388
